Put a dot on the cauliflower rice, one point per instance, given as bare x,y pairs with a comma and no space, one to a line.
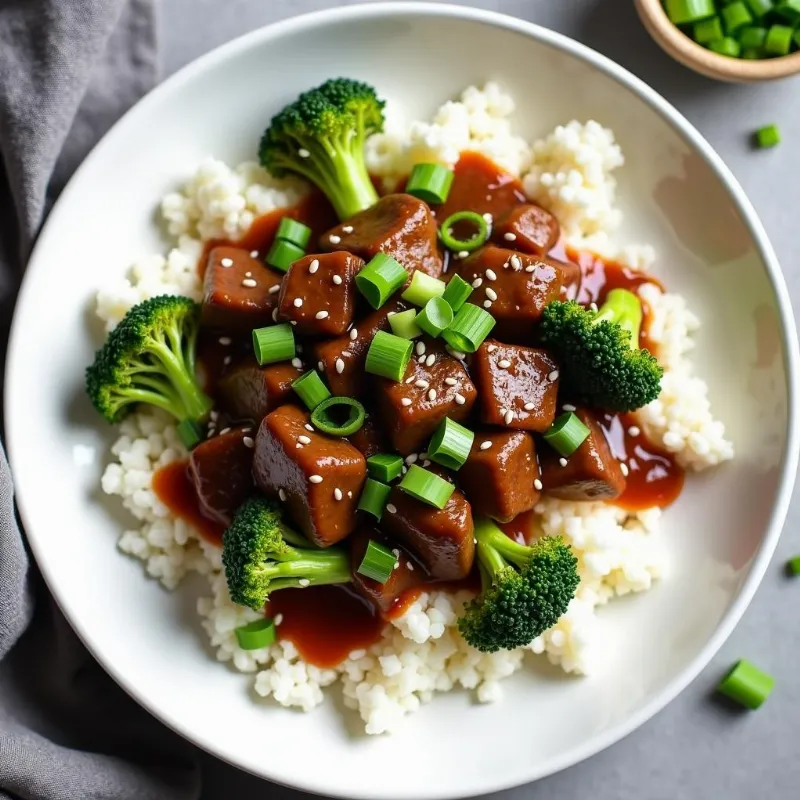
570,172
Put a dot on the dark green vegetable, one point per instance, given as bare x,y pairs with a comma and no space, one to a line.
684,12
374,497
779,40
708,30
735,16
283,254
293,231
768,136
457,292
430,182
752,37
322,419
427,487
310,389
385,467
378,562
257,634
747,685
471,218
726,46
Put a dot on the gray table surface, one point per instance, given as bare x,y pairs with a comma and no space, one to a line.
696,749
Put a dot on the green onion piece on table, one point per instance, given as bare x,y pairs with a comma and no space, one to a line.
758,8
768,136
708,30
380,279
385,467
290,230
404,324
684,12
566,434
735,16
457,292
779,40
450,445
793,565
322,419
470,327
310,389
257,634
747,685
471,218
283,254
430,182
427,487
422,288
374,497
378,562
726,47
189,433
273,344
752,38
388,356
435,316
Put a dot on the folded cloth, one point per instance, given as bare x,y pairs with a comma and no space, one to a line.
68,69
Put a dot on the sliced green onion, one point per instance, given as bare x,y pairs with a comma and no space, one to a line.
747,685
404,324
768,136
457,292
257,634
388,356
275,343
450,445
684,12
294,232
752,38
793,565
380,279
759,8
726,46
422,288
797,38
470,327
735,16
310,389
283,254
779,40
430,182
707,30
189,433
322,420
435,317
385,466
477,239
374,497
789,10
566,434
427,486
378,562
752,53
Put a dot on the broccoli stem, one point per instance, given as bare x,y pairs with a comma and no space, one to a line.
624,308
495,550
295,565
194,403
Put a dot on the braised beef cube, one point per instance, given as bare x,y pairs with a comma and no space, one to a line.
442,539
570,277
399,225
528,228
239,291
435,386
500,474
318,293
590,473
221,469
369,438
248,391
386,597
320,477
517,385
351,350
517,286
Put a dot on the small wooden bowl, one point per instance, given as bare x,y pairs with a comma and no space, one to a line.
734,70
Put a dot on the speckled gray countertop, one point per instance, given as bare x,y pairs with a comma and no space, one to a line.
695,749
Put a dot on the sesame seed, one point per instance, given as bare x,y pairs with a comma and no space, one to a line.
409,564
309,427
430,360
304,439
432,395
226,262
509,237
460,399
303,153
350,495
451,381
553,376
423,455
315,478
282,495
227,360
298,446
254,254
476,284
409,379
297,363
624,469
491,274
516,263
347,354
463,253
339,365
593,306
405,402
337,279
297,302
529,406
509,417
274,314
304,582
392,509
335,239
275,289
313,266
456,353
537,484
391,313
491,293
224,430
488,217
421,384
412,459
278,619
420,348
633,431
247,441
293,322
568,407
491,348
249,283
487,303
562,461
486,445
504,363
214,415
322,314
353,334
347,229
337,493
426,463
248,274
530,268
225,340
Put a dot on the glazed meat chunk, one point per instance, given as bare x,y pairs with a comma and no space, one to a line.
249,391
399,225
518,386
369,438
239,292
528,228
221,471
590,473
500,475
435,386
296,463
318,294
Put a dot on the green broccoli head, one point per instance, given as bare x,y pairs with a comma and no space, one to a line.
259,557
150,358
601,363
526,589
321,136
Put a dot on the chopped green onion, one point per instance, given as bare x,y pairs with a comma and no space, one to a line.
283,254
759,7
427,486
797,38
404,324
793,565
294,232
789,10
752,53
388,356
684,12
566,434
735,16
450,445
779,40
422,288
189,433
435,317
310,389
374,497
747,685
457,292
380,279
726,47
275,343
480,236
385,466
470,327
752,38
707,30
322,420
768,136
378,562
257,634
430,182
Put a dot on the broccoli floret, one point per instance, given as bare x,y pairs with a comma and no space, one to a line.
261,555
601,363
525,589
321,137
150,358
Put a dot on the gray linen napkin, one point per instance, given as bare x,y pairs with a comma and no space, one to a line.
68,69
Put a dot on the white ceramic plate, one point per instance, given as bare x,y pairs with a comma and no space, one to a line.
677,195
